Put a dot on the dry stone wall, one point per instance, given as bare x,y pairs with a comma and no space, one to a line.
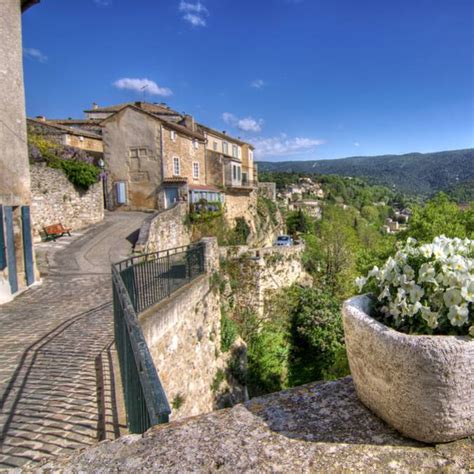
164,230
55,199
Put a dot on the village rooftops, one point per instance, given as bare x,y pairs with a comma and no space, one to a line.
153,108
62,129
223,135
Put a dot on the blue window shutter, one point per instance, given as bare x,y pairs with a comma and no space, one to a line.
11,258
27,245
3,257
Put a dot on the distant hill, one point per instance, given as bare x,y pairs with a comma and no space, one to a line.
420,173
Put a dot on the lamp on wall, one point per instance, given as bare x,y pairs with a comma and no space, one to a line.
101,164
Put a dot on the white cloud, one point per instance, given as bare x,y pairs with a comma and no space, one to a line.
35,54
142,85
246,124
257,83
194,13
102,3
283,145
356,144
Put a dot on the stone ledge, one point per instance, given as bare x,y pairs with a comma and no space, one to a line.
319,427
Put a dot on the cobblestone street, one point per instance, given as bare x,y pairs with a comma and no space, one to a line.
57,372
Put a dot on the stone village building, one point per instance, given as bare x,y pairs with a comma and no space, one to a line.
17,266
83,139
155,156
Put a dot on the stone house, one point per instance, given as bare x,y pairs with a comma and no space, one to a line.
151,163
83,139
229,160
17,265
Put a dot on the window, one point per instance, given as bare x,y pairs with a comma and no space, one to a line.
195,144
251,155
173,135
133,152
235,152
214,146
196,170
225,148
176,167
142,152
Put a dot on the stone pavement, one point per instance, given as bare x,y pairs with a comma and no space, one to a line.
57,374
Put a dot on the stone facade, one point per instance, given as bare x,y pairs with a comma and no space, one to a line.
183,334
164,230
156,160
14,175
132,154
268,190
55,199
423,386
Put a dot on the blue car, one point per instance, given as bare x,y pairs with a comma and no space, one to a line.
284,240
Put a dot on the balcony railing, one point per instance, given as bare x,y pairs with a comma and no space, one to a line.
139,283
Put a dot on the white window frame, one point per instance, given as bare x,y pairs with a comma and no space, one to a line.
214,146
195,144
235,151
173,135
196,169
225,148
176,166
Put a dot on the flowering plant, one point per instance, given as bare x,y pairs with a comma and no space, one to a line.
426,289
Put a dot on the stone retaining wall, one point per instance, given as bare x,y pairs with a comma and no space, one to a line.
164,230
183,334
262,271
55,199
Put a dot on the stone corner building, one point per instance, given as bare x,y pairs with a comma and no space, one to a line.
17,268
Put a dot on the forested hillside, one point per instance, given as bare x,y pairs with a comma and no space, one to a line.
420,173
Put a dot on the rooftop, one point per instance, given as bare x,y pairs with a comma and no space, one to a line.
319,427
63,128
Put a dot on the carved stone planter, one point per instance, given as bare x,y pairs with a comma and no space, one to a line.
423,386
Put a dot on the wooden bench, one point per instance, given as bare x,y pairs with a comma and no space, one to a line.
52,232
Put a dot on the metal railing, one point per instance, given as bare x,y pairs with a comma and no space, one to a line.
139,283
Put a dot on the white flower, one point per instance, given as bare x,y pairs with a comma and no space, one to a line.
416,293
458,315
467,291
409,272
431,317
452,297
360,282
385,294
427,274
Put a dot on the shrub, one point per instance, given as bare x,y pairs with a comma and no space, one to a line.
426,289
218,379
83,175
229,332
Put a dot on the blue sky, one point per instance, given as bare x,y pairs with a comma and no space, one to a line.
301,79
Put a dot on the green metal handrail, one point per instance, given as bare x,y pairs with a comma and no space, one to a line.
139,283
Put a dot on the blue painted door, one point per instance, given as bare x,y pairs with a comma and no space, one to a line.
3,255
171,196
11,258
27,245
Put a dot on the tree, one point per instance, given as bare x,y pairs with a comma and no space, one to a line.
317,344
439,216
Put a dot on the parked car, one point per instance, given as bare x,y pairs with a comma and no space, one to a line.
284,240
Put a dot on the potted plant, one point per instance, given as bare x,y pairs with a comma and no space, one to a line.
410,341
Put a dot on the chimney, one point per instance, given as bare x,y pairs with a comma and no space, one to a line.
189,122
138,104
224,132
41,117
94,106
